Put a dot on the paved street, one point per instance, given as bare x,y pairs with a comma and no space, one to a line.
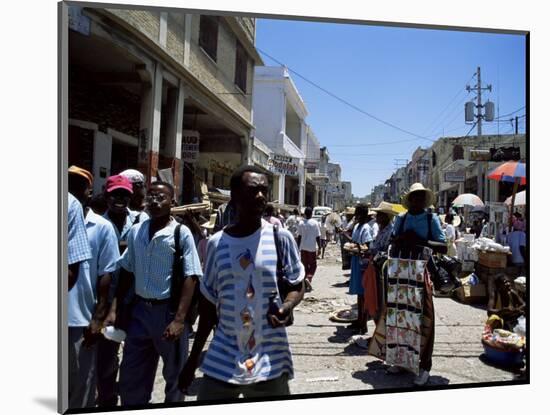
326,361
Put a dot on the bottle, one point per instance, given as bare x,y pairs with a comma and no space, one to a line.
273,306
114,334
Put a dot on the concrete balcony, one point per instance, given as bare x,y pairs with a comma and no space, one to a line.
290,148
248,25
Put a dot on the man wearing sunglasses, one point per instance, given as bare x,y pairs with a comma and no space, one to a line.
118,194
156,328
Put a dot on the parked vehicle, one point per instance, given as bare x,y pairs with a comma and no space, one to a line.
320,211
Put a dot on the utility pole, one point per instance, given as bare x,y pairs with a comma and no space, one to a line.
482,185
516,125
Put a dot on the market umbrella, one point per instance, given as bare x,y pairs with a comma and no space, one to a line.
520,199
468,199
511,172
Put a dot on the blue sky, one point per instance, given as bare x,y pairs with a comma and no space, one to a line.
407,77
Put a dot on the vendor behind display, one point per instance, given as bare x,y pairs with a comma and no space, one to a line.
516,240
504,301
417,227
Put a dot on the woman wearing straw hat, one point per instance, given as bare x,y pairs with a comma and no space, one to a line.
373,297
384,218
415,228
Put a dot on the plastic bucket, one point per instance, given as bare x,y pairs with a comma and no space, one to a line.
502,357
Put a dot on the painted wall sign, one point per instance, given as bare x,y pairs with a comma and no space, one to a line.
190,146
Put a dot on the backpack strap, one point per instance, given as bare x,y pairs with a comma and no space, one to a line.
278,248
429,216
177,240
177,269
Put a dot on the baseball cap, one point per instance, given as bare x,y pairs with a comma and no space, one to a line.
134,176
82,172
118,182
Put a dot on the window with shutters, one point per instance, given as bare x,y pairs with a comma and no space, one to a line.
208,35
458,152
241,66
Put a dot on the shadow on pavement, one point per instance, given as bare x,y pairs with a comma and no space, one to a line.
341,335
377,376
340,284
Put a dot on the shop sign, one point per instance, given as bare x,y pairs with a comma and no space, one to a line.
190,146
311,164
319,180
279,164
455,176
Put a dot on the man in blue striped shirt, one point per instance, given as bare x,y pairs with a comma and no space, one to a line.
156,329
78,247
249,354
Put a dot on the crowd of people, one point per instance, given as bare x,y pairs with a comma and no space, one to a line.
134,267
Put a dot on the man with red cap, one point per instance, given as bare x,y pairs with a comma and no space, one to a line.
118,193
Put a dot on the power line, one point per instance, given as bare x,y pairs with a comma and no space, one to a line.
513,112
371,144
473,126
349,104
435,122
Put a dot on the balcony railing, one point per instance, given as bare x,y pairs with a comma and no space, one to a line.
291,148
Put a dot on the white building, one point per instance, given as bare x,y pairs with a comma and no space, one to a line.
279,115
335,190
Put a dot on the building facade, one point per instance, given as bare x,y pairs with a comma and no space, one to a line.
279,117
161,91
456,169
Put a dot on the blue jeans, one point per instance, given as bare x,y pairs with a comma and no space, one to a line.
143,347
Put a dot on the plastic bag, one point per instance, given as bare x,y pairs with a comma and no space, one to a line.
519,329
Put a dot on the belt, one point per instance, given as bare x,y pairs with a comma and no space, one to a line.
153,301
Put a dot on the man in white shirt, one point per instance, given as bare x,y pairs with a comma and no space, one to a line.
309,237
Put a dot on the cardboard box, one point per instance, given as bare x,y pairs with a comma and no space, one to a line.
472,294
493,259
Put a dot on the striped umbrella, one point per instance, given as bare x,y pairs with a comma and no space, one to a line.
511,171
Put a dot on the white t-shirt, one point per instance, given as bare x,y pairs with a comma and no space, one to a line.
309,230
515,240
450,233
374,228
